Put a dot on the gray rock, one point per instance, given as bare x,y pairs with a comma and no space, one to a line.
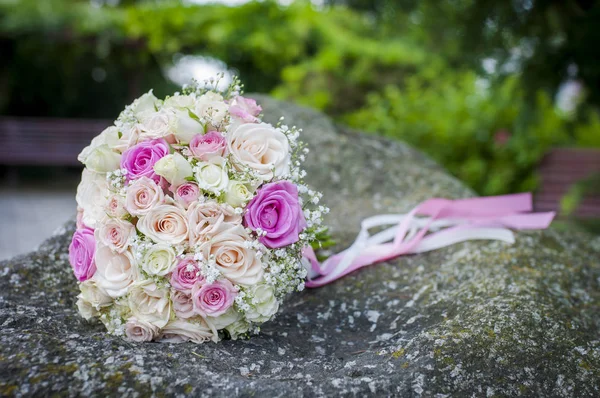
476,319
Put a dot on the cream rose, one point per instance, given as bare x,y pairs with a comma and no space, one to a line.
155,125
92,197
115,233
143,195
205,219
139,331
261,147
264,303
174,168
196,330
150,303
159,259
237,194
233,258
115,271
165,224
212,175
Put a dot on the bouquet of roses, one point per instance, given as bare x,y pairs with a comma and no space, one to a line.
192,218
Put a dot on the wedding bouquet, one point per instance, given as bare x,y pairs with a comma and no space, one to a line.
192,218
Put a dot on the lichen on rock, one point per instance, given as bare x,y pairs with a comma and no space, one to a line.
475,319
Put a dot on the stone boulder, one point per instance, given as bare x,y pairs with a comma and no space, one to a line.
476,319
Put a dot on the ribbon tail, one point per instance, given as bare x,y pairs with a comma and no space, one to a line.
449,222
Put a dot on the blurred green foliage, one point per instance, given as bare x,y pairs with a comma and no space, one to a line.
408,69
490,137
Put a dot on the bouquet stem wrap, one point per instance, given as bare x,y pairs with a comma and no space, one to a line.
446,222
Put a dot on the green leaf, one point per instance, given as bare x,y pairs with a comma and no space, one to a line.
193,116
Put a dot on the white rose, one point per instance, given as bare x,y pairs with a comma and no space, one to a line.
186,127
174,168
85,308
264,304
109,136
139,331
146,103
261,147
212,175
212,108
205,219
238,328
196,330
143,195
103,159
91,293
233,258
91,299
226,319
150,303
182,304
115,272
115,233
237,193
164,224
155,125
180,102
128,136
92,197
159,260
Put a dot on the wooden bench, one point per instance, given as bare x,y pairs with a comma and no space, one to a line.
46,141
561,168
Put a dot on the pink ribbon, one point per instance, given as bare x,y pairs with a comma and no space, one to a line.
447,222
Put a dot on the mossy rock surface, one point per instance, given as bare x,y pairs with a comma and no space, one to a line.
476,319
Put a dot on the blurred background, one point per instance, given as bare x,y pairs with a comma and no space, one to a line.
504,94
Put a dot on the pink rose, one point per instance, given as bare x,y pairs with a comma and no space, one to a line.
142,196
276,210
116,207
82,251
208,146
139,160
186,274
187,193
245,109
116,234
139,331
213,299
182,304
